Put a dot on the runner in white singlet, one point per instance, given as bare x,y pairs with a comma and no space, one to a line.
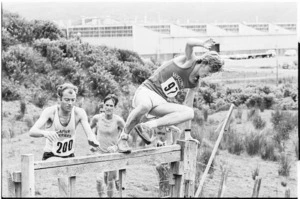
60,122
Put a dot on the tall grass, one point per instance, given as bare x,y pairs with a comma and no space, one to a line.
267,149
258,122
252,143
284,165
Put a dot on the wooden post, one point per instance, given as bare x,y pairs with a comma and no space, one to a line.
17,178
256,187
190,161
10,185
198,192
287,192
122,181
183,173
72,189
63,187
176,179
223,182
27,169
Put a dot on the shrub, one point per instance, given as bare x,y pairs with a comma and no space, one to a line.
283,123
296,144
29,121
205,114
10,90
238,113
22,107
258,122
268,100
139,72
255,100
267,151
102,82
255,172
251,113
252,143
40,99
284,165
234,142
198,119
207,96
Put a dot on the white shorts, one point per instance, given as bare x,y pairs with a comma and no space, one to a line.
148,98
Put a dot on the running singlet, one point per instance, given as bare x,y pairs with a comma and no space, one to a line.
169,79
66,142
107,131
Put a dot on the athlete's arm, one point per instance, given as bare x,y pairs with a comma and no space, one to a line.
86,127
121,124
191,43
36,130
93,124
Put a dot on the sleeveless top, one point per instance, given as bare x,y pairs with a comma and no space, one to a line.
169,79
107,131
65,145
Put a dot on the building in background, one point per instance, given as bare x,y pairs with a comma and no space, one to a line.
165,40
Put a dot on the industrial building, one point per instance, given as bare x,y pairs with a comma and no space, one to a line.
166,40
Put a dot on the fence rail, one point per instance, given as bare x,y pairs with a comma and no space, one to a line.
182,157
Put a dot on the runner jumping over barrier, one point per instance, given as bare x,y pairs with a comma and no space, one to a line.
151,97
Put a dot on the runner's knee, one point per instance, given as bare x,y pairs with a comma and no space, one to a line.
189,113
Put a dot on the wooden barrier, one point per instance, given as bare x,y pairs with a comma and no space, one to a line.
182,157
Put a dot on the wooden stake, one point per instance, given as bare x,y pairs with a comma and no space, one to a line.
122,181
214,151
27,169
223,182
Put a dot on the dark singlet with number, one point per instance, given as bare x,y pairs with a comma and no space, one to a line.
64,147
169,79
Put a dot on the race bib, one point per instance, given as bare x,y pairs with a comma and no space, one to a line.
63,147
170,87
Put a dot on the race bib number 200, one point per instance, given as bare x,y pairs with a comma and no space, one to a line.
63,147
170,87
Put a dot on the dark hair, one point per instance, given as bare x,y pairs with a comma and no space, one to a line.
212,59
112,97
61,88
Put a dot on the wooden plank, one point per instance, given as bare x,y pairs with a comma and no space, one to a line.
122,181
72,186
16,176
106,157
224,126
107,165
27,169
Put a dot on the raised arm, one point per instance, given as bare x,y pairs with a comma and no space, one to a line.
36,129
86,127
191,43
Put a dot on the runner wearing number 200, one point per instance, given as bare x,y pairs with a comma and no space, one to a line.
151,97
60,123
